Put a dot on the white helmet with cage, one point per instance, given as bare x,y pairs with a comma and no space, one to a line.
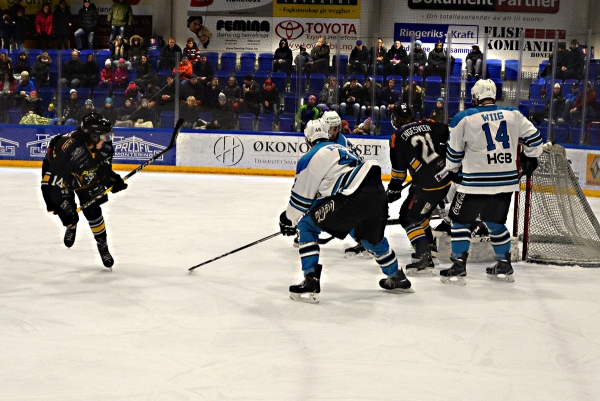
483,89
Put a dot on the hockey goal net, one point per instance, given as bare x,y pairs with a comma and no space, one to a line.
555,221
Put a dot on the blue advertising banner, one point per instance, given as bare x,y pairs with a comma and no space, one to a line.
132,145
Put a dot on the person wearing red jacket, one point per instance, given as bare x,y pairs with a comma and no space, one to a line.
121,74
185,69
43,26
107,76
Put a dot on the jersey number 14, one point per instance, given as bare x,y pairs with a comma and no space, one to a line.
501,136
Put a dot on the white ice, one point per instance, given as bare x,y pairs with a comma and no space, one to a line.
70,330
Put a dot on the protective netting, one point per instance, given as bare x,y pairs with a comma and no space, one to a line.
563,230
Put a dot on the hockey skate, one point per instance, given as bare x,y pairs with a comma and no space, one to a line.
310,287
69,238
423,267
502,271
357,251
107,258
397,283
458,270
415,257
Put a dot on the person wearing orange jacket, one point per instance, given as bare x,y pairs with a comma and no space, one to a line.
43,26
185,69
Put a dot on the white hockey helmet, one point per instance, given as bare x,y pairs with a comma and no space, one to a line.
484,89
315,130
331,119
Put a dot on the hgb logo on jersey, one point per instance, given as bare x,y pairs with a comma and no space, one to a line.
8,147
321,212
134,148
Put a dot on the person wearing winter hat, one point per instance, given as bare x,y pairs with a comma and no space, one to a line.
269,98
303,61
438,114
32,104
419,58
345,127
87,109
359,59
222,116
436,62
107,76
250,101
121,74
109,111
282,58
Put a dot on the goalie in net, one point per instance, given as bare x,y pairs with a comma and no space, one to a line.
554,220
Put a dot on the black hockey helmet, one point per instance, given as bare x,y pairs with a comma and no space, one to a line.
401,115
94,127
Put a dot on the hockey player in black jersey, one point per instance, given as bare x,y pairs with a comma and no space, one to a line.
419,148
81,163
337,192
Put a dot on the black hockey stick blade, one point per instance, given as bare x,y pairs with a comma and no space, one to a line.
237,250
142,166
393,222
323,241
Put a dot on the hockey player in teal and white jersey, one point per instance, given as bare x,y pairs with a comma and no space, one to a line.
337,192
483,142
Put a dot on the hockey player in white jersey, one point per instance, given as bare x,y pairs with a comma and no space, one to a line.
337,192
483,142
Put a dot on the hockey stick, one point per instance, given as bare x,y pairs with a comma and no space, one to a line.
237,250
142,166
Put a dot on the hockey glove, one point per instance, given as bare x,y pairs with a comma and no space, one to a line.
67,214
285,225
392,195
455,177
528,164
118,184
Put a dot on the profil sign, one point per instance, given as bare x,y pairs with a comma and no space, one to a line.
517,6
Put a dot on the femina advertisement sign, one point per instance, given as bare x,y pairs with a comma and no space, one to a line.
517,6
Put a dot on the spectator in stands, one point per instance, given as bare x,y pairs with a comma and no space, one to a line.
307,112
8,93
72,71
119,49
222,116
364,128
152,92
575,63
474,62
192,51
5,64
569,101
417,99
438,113
345,128
32,105
558,106
51,113
250,101
282,58
233,93
19,28
303,61
185,70
189,112
6,31
576,111
194,88
198,31
62,24
89,72
71,108
166,96
320,56
388,98
137,49
87,21
109,112
211,94
351,98
120,16
121,74
40,71
359,59
133,92
203,69
107,76
13,10
26,84
396,60
87,108
21,64
144,72
329,95
269,98
168,55
144,116
380,54
419,59
370,100
44,26
127,114
561,61
436,62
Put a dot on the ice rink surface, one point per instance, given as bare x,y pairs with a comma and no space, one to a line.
72,331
